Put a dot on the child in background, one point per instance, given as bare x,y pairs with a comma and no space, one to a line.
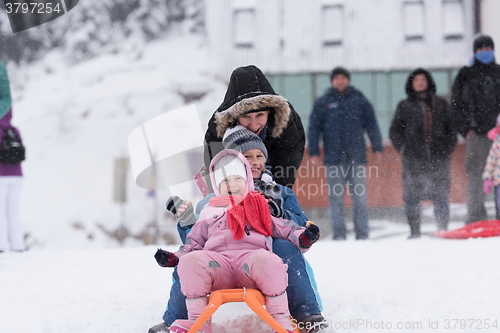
491,173
234,235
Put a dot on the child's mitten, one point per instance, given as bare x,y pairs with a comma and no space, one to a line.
166,259
275,208
174,203
487,186
309,236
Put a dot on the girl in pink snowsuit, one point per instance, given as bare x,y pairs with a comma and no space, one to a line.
230,245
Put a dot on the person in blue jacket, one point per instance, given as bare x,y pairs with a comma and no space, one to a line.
341,117
303,299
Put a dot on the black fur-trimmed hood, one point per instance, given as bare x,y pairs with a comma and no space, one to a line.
431,86
249,90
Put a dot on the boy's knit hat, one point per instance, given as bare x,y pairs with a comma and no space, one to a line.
242,139
229,165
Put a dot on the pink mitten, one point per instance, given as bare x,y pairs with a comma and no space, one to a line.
487,186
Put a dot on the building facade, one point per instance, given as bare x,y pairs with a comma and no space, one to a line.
298,42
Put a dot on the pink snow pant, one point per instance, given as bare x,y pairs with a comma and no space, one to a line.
203,271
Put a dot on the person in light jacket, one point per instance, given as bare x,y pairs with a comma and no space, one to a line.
11,178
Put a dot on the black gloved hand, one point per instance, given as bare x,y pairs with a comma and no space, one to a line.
275,208
174,203
166,259
309,236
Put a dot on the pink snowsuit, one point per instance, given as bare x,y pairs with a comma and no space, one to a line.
225,263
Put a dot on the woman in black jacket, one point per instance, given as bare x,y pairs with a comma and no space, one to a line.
423,134
250,100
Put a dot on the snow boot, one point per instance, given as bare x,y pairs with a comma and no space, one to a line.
160,328
278,308
313,323
414,222
195,307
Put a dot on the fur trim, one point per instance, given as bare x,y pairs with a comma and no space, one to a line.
281,112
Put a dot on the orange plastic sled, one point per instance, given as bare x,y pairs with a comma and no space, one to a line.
254,299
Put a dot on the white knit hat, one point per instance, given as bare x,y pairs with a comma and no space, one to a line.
229,165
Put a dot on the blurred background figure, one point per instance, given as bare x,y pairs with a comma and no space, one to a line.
423,134
11,233
341,116
491,173
475,105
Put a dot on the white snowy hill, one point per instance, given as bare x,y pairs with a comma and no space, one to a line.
75,121
395,285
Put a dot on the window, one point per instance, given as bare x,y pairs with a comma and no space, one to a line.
453,19
244,27
413,20
332,19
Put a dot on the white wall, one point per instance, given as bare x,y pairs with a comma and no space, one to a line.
490,24
373,37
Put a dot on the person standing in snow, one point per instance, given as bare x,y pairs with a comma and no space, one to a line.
491,173
422,132
303,299
475,104
230,246
250,101
341,116
11,177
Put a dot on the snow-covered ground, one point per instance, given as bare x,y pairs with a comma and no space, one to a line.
422,285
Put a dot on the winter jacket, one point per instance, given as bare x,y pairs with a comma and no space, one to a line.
5,98
492,167
8,169
407,133
342,120
475,98
284,137
426,165
212,233
291,207
290,203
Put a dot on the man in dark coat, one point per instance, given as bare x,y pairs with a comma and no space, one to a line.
422,132
341,116
475,106
250,101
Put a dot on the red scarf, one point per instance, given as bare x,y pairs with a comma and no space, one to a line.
251,208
